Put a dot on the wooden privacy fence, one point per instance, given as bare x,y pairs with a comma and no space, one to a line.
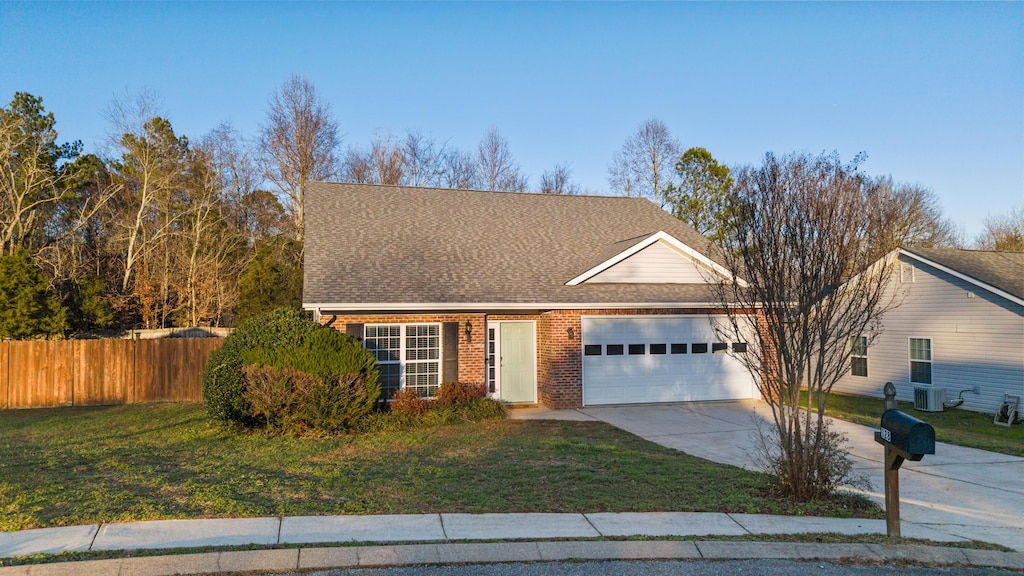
38,374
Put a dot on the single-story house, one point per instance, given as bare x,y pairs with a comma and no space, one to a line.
563,301
960,325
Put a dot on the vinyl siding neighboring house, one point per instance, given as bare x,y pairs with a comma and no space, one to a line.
969,306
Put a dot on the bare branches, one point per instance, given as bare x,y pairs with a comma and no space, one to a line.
1004,232
298,143
30,179
558,181
496,167
643,167
806,245
457,170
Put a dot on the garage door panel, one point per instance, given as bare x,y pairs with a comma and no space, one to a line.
644,378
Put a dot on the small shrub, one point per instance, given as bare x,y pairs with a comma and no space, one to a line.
334,405
408,402
291,401
273,395
476,410
454,393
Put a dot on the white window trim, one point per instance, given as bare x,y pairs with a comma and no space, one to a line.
402,362
930,361
904,268
865,356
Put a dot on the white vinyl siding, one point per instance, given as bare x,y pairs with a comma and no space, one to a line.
977,339
658,263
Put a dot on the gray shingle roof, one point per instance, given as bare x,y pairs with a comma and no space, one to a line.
1002,270
392,244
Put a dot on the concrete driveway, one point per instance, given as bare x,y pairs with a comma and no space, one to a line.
961,491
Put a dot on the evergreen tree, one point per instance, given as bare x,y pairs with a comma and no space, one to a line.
28,309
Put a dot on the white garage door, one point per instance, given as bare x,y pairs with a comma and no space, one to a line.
632,360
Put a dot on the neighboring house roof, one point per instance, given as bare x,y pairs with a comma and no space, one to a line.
396,247
998,272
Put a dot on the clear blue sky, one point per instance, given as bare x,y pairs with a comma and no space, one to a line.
934,93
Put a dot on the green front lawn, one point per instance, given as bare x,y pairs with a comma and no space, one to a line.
143,462
954,426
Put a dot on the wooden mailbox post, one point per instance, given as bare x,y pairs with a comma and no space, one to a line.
904,438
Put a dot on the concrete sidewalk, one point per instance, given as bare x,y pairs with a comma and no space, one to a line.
961,492
440,534
166,534
284,560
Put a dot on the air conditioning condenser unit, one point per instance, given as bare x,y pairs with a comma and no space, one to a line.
929,398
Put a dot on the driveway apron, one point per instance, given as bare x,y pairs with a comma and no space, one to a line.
960,491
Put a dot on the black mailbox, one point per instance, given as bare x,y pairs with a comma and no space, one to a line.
910,437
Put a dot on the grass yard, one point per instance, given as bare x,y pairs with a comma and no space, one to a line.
144,462
955,426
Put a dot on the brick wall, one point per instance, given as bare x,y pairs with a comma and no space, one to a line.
559,345
472,368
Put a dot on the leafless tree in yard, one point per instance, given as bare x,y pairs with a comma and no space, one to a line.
357,166
921,220
30,175
148,175
457,170
423,159
806,244
299,143
496,167
644,165
388,158
1004,232
233,159
558,181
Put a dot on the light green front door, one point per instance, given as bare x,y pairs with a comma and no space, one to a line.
517,374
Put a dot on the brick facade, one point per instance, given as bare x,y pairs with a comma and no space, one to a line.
559,344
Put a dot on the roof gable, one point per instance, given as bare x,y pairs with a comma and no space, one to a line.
1001,273
658,258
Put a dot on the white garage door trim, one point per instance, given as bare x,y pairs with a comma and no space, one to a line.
644,378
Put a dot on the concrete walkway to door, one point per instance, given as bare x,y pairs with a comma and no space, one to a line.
960,491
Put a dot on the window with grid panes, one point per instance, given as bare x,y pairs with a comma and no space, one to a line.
408,356
921,360
859,356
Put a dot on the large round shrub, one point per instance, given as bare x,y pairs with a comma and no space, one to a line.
283,338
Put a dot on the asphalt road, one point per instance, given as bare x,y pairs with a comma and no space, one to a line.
664,568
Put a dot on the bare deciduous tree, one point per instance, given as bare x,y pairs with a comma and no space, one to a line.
357,166
643,167
1005,232
30,179
496,167
457,170
558,181
388,159
147,175
920,221
298,143
422,159
805,245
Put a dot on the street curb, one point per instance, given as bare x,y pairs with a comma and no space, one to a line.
505,552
